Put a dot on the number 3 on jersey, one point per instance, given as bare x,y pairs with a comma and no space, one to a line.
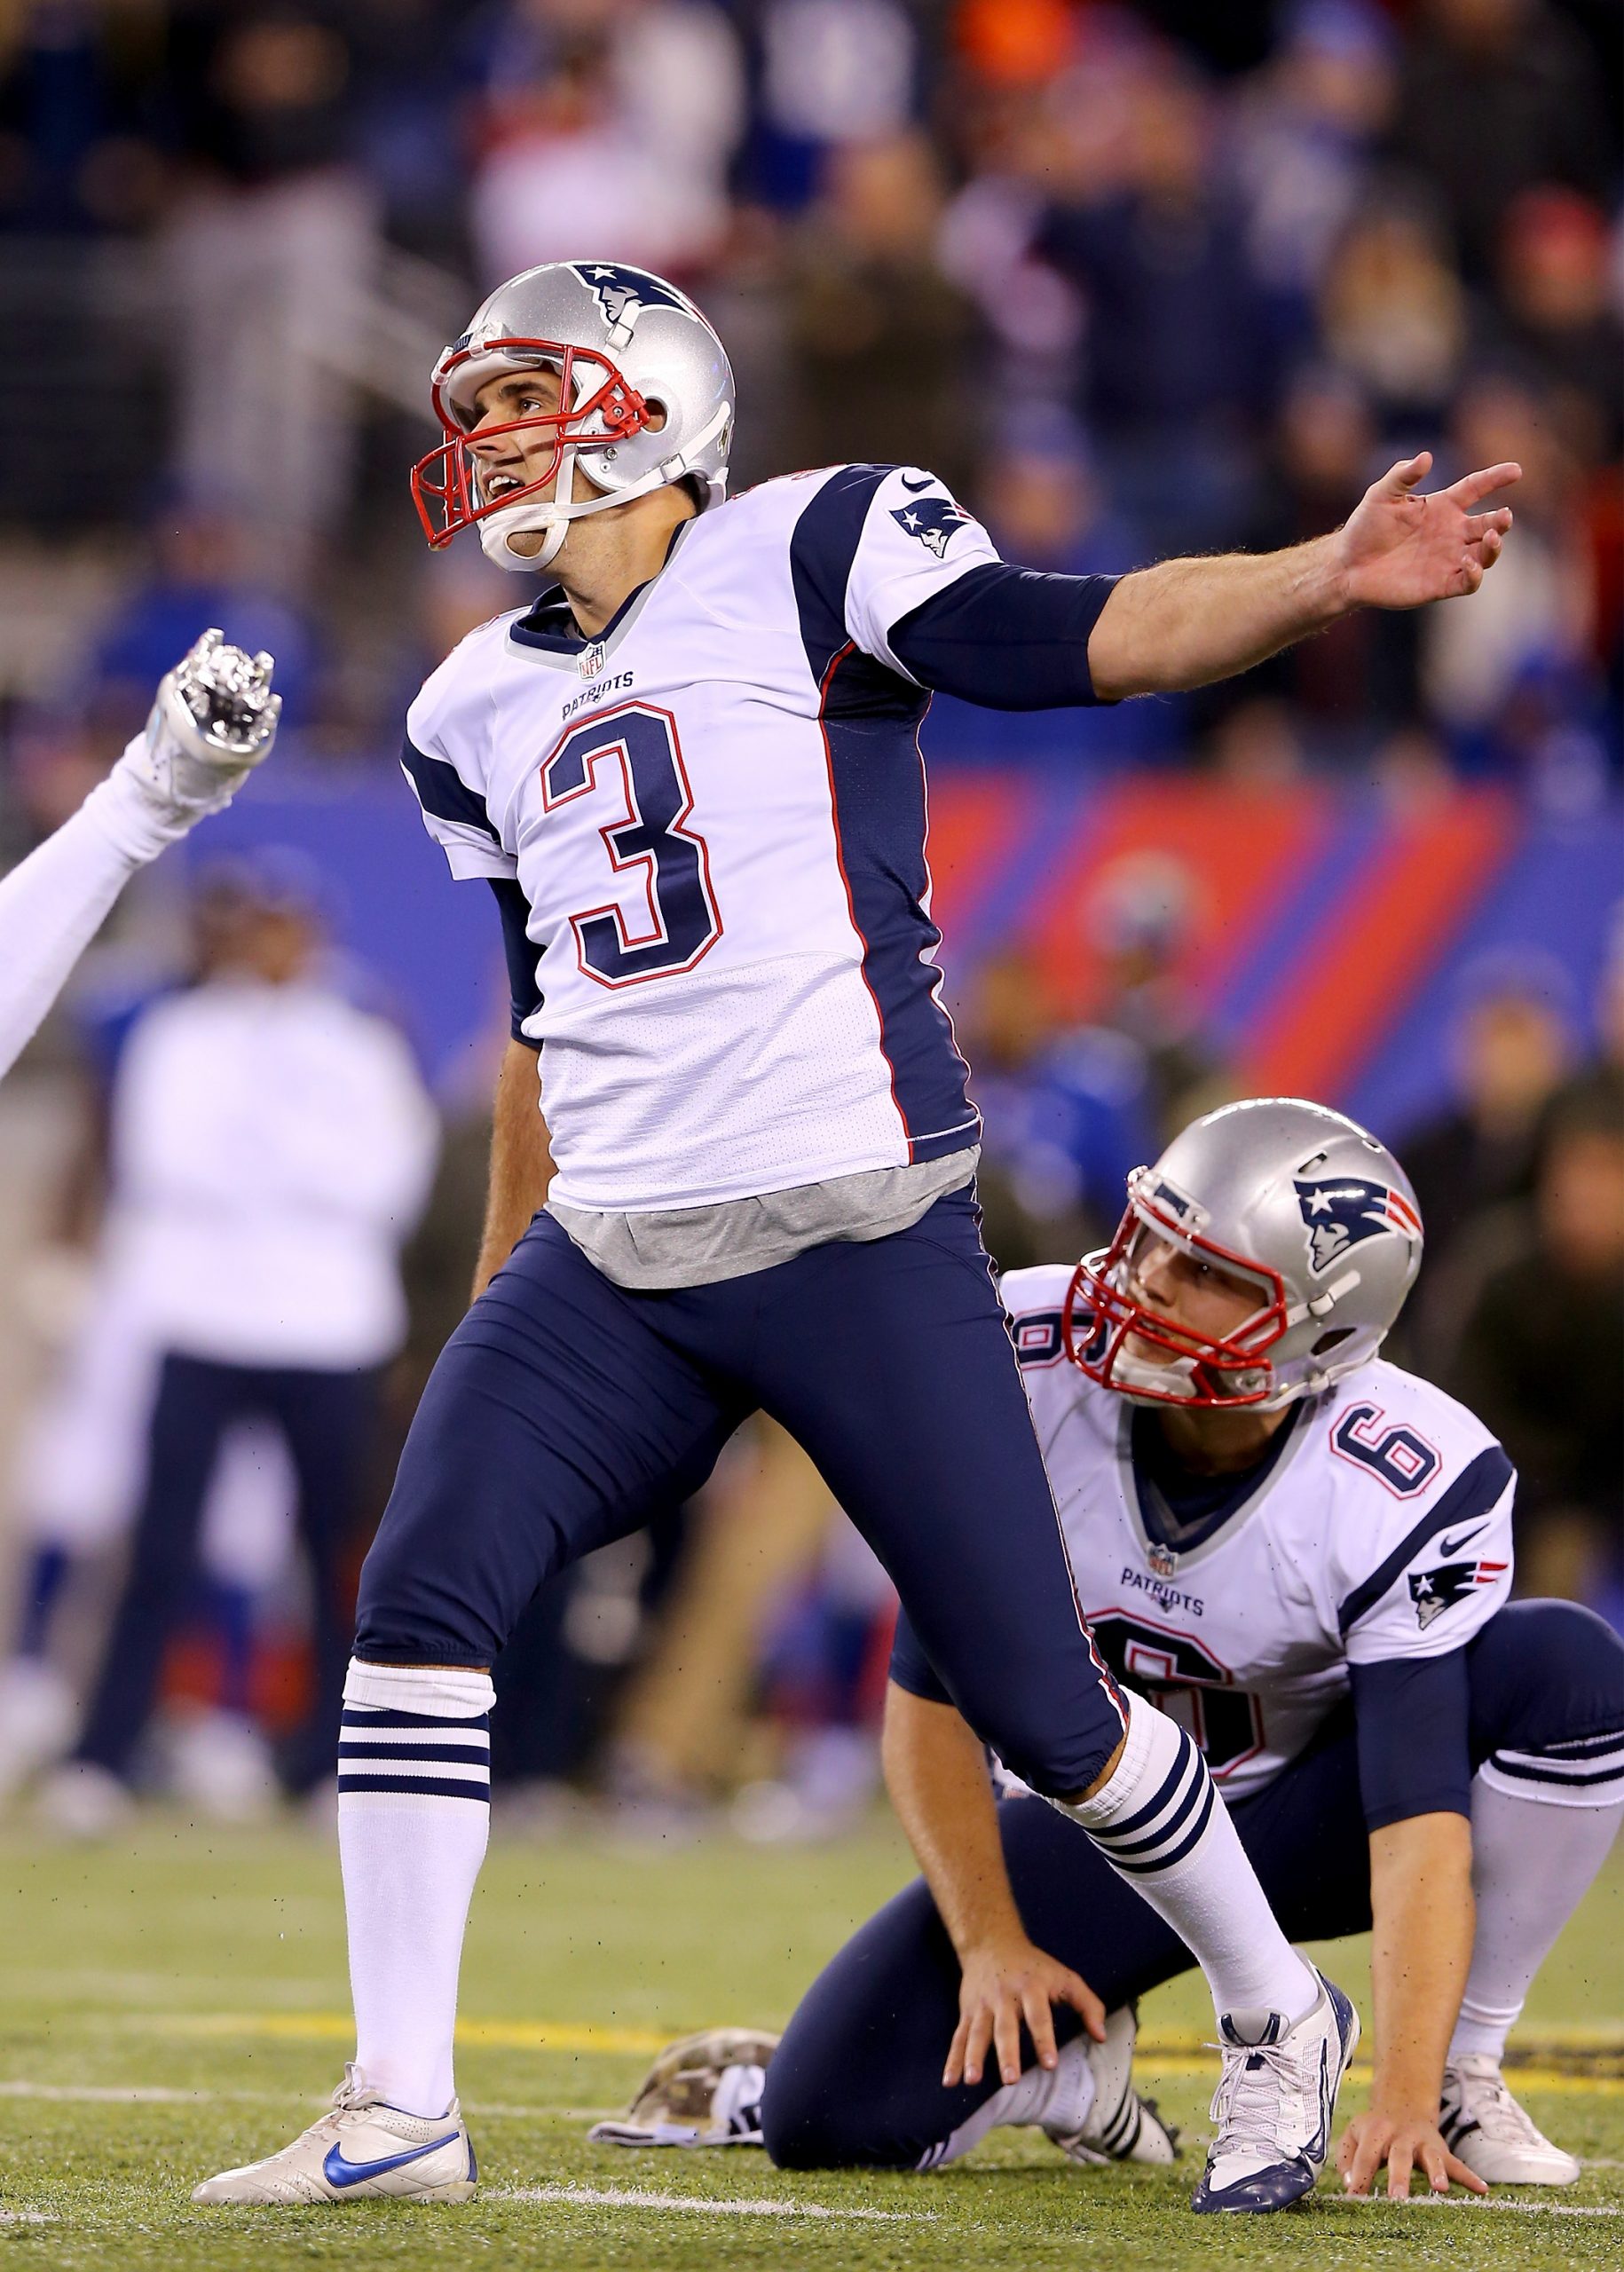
630,759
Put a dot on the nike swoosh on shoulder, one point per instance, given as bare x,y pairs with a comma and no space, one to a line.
929,481
338,2172
1454,1545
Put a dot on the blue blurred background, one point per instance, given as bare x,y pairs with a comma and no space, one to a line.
1134,280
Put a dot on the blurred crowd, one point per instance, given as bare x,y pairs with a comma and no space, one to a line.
1133,278
268,1234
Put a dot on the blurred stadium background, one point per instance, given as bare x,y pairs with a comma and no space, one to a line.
1134,278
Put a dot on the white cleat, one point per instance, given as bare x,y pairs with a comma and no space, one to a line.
220,1765
39,1716
1273,2104
83,1802
1119,2126
363,2150
1485,2128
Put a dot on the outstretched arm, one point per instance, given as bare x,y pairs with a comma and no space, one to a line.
937,1773
1188,622
214,720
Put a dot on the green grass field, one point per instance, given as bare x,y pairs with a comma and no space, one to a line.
179,2006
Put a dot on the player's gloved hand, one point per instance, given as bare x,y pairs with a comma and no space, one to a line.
1373,2139
214,720
1003,1984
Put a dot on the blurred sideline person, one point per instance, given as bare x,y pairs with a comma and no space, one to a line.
759,1529
1304,1554
214,719
272,1148
689,771
82,1467
1512,1044
1541,1348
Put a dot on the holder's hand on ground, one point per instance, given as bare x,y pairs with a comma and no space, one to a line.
1400,550
1372,2139
1001,1986
214,720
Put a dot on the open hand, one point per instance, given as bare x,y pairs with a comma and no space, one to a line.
1370,2140
1001,1986
1398,550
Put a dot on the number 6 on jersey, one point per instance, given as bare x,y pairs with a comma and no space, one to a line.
630,759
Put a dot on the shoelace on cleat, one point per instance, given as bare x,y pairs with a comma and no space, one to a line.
1246,2105
1487,2100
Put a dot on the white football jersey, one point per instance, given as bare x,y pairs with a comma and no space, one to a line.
1382,1529
717,813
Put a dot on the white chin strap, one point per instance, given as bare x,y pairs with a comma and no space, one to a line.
552,520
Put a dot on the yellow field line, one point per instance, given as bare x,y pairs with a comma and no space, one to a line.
1169,2055
333,2027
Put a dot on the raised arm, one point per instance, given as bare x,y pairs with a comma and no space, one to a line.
214,720
1185,623
937,1773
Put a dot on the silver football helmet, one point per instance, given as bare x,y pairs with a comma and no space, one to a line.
626,345
1290,1198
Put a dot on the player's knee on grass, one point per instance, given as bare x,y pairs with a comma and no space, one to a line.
1544,1673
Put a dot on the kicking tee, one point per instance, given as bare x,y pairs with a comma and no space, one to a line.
1378,1530
715,816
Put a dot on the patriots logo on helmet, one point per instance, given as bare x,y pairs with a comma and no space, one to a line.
935,521
620,290
1339,1214
1433,1592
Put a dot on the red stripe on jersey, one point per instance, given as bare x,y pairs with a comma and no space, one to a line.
835,661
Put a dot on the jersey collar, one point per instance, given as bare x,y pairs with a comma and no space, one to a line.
1150,1509
551,633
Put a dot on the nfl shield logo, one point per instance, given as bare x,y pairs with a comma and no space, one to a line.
592,659
1163,1560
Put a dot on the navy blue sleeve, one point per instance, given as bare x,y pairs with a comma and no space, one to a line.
1413,1717
520,948
1009,638
911,1668
442,791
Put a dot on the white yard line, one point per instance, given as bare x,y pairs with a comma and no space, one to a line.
1469,2202
629,2197
138,2094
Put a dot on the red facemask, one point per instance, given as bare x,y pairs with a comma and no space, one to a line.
1102,1314
445,482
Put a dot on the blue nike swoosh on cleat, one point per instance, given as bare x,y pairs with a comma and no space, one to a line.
338,2172
917,485
1454,1545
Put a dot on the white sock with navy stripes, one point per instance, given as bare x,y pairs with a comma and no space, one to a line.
1162,1826
1533,1861
413,1816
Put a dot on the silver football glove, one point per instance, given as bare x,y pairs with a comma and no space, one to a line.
214,720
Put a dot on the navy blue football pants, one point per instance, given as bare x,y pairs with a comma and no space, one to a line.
858,2076
329,1420
565,1412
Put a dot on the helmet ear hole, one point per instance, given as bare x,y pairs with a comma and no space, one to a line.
1334,1339
658,414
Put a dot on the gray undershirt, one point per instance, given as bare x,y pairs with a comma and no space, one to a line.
699,1246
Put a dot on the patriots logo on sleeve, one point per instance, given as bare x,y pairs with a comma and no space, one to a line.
935,521
1433,1592
620,289
1338,1214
